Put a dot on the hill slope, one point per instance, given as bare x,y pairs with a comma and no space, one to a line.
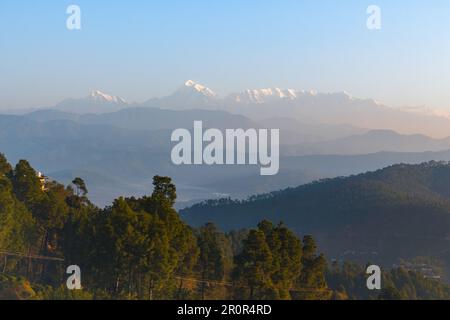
399,212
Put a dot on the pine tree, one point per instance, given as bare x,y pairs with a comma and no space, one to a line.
5,167
211,260
312,278
254,267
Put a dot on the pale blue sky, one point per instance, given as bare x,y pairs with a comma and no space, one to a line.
141,49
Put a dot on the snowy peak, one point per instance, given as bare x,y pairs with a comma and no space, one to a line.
191,95
191,85
99,96
260,96
96,102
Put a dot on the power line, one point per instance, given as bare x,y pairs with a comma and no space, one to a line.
30,256
226,284
229,284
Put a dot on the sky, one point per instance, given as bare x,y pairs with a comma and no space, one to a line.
142,49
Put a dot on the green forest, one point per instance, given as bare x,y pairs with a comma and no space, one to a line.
140,248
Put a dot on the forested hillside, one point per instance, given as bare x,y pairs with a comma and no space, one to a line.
139,248
402,211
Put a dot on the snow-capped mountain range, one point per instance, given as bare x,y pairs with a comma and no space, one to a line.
195,95
338,108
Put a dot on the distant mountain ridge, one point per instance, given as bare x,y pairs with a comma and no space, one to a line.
372,141
339,108
139,118
297,138
138,139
